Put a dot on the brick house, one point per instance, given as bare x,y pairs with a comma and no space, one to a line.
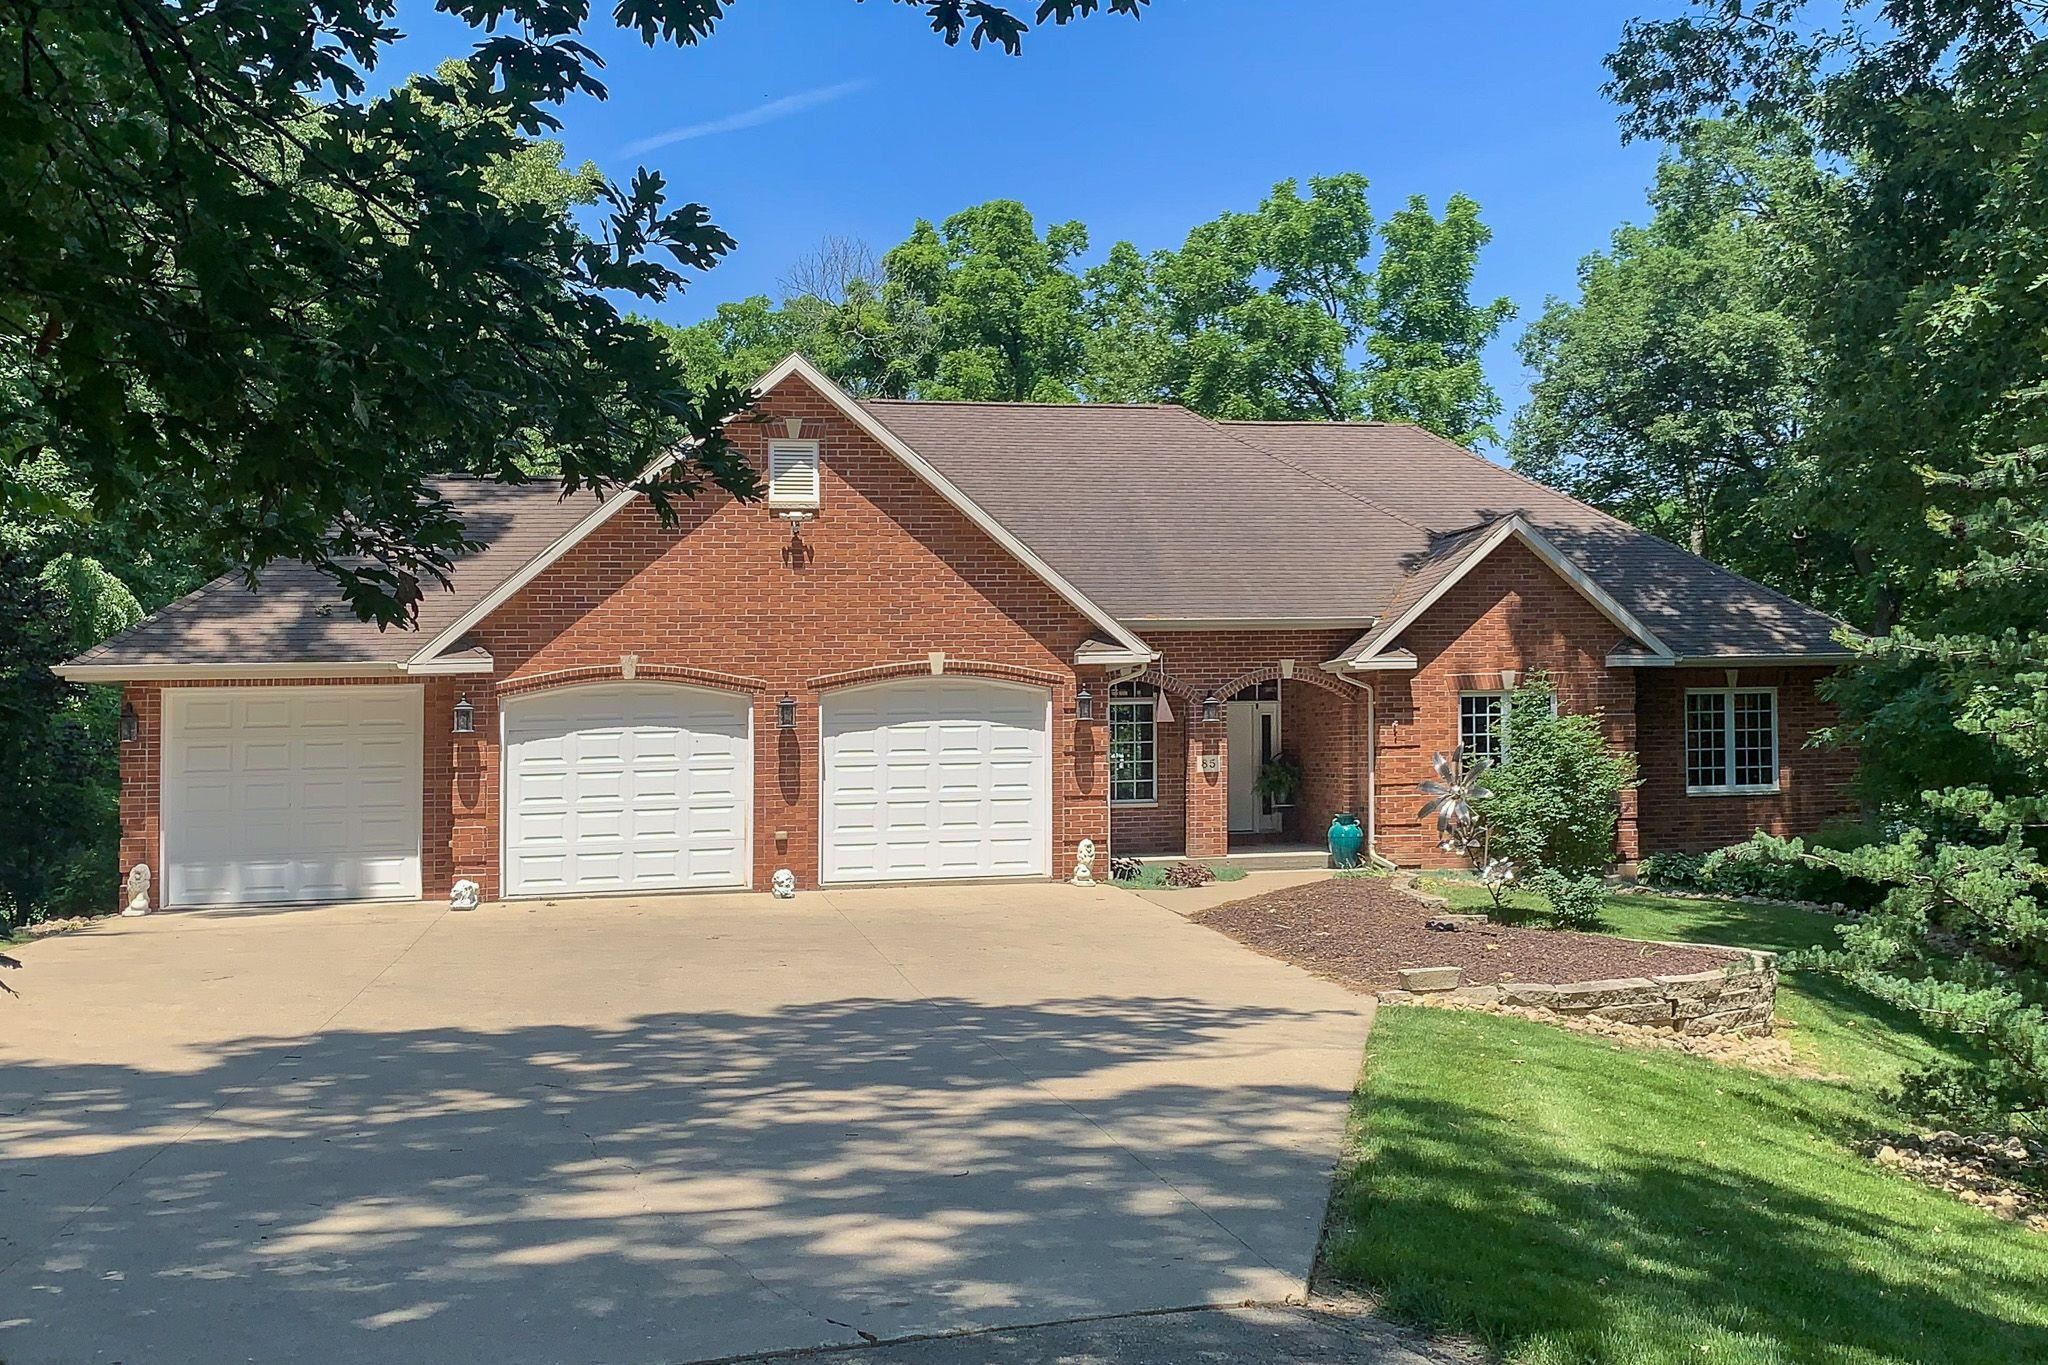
956,640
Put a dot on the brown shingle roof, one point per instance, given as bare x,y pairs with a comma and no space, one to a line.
1697,608
297,615
1153,512
1156,513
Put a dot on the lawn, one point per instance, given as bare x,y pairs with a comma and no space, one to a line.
1152,876
1565,1199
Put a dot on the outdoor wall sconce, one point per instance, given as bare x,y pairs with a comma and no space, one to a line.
1211,708
1084,703
131,725
465,716
785,713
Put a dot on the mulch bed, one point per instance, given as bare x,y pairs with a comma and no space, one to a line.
1360,932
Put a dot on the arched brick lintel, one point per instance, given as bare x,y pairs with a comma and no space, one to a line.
915,668
643,673
1166,682
1313,676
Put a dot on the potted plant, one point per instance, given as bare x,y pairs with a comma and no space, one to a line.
1279,781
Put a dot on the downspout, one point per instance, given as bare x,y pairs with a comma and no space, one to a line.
1372,774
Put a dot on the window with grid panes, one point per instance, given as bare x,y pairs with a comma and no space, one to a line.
1731,739
1133,750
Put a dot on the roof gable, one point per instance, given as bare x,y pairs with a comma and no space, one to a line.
797,368
1447,567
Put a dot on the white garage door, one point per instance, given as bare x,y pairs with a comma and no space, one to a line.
275,794
936,777
635,787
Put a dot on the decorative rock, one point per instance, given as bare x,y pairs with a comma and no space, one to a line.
1432,978
465,895
784,884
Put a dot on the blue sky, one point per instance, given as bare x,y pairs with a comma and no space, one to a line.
801,118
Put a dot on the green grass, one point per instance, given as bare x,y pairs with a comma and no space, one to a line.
1152,877
1566,1199
1830,1025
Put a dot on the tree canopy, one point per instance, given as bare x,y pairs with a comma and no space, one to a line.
229,269
1305,308
1674,389
1925,445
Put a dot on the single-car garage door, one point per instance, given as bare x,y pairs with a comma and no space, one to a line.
634,787
936,777
275,794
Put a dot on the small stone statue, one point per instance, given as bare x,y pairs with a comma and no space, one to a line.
785,884
465,895
1084,864
138,890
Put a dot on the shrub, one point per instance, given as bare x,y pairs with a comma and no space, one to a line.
1556,799
1189,874
1672,871
1575,902
1740,870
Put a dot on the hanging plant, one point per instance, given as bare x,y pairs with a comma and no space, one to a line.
1279,780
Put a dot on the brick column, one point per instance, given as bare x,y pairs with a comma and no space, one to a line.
1621,732
1208,812
141,761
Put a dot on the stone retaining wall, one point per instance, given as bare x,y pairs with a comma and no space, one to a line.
1736,999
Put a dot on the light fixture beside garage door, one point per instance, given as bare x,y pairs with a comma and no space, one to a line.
465,716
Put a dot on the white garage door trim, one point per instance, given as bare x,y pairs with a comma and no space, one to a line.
337,815
840,854
720,749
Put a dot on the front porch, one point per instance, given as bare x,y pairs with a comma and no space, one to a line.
1251,768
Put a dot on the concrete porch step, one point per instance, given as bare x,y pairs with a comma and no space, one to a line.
1271,857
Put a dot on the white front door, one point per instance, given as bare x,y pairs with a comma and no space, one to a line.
1254,738
281,794
633,787
936,777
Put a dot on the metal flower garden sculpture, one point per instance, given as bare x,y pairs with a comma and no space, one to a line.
1452,792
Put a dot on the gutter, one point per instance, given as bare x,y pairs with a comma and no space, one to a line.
256,669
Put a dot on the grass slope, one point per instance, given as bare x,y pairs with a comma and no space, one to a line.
1564,1199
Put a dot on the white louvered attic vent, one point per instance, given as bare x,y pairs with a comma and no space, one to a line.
793,474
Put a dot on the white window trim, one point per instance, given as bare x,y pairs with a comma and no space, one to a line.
1730,787
1501,721
1151,705
811,498
1507,702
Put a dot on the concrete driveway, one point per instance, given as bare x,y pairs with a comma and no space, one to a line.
665,1129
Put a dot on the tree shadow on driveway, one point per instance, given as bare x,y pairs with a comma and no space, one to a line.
690,1185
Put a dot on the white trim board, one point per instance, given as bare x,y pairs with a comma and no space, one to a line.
1518,528
1816,659
252,669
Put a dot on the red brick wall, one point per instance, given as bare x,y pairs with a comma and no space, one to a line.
886,574
1814,784
1510,612
1325,733
1192,814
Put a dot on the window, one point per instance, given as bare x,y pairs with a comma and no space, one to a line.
1482,724
793,474
1731,740
1133,750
